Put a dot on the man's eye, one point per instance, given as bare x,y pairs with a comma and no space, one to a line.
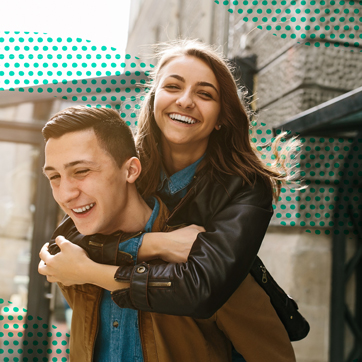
51,178
82,171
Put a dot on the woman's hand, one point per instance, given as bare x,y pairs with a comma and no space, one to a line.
173,247
66,267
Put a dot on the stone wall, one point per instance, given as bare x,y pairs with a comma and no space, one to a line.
291,74
301,264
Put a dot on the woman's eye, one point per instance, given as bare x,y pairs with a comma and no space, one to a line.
170,86
205,94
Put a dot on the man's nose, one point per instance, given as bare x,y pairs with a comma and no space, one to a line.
68,191
186,99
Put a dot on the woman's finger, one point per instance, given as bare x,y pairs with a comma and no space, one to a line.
200,228
197,227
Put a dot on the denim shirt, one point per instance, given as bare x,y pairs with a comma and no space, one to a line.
173,189
118,337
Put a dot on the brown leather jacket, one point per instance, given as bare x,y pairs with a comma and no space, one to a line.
247,320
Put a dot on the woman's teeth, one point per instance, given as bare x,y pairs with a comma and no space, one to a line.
83,209
183,119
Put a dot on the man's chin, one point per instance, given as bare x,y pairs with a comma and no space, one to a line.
84,229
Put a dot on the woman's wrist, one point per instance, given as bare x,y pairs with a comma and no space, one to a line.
103,276
150,248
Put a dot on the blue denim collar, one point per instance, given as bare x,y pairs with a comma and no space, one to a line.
179,180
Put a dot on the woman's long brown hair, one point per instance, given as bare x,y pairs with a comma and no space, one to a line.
229,150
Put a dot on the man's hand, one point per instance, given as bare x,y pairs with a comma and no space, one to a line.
173,247
66,267
72,266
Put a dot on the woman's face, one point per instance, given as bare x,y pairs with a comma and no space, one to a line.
187,104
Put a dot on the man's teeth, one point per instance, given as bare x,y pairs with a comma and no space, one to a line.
84,208
178,117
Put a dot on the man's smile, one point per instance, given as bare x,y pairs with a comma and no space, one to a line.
83,209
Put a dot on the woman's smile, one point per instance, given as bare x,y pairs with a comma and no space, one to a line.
183,119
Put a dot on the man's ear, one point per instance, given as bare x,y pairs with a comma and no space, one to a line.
133,169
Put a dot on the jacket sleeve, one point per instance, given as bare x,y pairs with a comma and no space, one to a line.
219,260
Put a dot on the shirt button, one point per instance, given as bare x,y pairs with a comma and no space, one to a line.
115,324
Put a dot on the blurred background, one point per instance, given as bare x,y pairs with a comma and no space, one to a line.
300,64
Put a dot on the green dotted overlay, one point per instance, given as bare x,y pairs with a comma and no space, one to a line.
330,170
72,69
25,338
319,23
77,71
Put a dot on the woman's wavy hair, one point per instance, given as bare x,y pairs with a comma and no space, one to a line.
230,150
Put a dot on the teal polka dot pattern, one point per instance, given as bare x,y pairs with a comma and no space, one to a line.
328,23
330,168
17,337
73,70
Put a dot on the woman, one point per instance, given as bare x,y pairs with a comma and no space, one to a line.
194,145
203,125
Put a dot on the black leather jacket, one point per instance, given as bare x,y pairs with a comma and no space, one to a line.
236,218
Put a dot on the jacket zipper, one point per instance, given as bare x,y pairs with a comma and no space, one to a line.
264,278
159,284
141,336
98,320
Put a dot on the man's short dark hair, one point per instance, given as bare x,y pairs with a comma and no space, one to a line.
111,130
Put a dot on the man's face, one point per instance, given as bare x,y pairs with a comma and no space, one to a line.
86,182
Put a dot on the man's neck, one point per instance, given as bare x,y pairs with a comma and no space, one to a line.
137,213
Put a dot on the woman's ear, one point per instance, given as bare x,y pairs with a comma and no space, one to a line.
134,169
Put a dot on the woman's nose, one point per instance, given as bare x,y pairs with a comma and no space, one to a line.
185,100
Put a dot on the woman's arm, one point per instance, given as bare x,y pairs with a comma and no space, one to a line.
73,266
220,258
172,247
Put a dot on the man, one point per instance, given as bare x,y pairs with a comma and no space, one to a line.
92,167
98,192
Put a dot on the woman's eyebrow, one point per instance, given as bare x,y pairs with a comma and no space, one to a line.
206,84
176,76
203,84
